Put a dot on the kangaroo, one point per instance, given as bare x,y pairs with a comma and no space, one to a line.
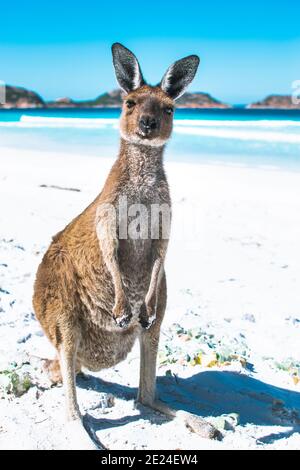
96,291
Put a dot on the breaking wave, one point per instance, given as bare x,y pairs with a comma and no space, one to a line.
256,130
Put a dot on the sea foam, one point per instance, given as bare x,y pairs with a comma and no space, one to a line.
286,131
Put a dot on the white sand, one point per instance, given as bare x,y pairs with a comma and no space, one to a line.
237,278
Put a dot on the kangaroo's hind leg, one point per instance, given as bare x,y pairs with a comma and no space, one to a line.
67,357
76,432
149,340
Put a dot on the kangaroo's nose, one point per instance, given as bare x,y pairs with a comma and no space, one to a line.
148,123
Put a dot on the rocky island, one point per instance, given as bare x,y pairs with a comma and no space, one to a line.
17,97
275,102
200,100
113,99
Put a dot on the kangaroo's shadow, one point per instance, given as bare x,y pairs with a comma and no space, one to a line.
213,393
90,382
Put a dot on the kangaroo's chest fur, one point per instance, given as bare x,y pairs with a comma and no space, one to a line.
144,193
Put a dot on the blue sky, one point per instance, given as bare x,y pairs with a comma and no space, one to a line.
62,48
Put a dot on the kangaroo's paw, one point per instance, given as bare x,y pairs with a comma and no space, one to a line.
147,316
122,314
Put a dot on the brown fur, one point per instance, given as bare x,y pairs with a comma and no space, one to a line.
94,299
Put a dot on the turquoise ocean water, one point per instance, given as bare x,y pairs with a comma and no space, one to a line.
265,138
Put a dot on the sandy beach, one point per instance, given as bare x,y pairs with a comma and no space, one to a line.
229,349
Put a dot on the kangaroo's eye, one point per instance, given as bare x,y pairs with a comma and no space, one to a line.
130,103
169,110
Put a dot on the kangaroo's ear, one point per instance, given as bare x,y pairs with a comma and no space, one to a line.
179,75
127,68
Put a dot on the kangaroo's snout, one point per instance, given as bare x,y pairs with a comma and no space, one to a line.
148,124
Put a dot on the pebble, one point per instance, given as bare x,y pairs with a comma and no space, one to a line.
3,291
23,339
249,317
103,403
20,247
226,422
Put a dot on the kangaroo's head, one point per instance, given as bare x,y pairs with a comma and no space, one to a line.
147,112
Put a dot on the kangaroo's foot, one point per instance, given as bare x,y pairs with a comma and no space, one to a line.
52,369
193,422
200,426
